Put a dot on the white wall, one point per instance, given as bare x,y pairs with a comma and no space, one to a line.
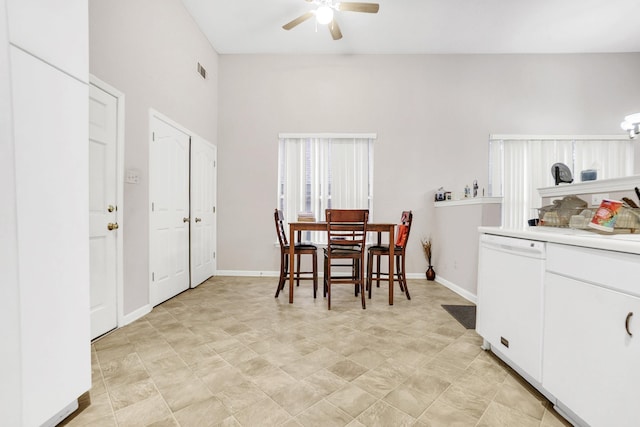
433,115
10,351
149,49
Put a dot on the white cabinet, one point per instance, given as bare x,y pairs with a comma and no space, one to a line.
45,359
54,30
591,358
509,312
51,159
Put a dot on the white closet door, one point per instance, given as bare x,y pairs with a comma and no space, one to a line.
103,210
203,205
169,197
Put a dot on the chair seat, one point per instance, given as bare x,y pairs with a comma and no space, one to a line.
383,248
347,250
305,245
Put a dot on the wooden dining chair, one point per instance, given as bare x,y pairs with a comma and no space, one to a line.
376,252
300,249
346,240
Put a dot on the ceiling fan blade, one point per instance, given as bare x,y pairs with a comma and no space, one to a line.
359,7
335,30
299,20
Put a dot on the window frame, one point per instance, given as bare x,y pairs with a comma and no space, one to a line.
320,160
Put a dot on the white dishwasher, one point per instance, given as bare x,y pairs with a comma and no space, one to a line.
510,298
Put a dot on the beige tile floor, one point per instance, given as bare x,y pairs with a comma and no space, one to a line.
228,353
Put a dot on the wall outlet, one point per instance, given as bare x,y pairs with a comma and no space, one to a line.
596,199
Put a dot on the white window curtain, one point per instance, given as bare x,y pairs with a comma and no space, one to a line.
521,165
317,172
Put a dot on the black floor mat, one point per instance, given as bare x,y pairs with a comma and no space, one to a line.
464,314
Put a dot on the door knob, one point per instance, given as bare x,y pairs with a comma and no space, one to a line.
186,219
111,208
198,219
113,226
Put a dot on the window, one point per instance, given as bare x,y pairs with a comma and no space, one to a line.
519,165
324,171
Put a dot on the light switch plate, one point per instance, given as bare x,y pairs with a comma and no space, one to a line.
132,176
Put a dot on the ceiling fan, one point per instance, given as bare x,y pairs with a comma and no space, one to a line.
325,16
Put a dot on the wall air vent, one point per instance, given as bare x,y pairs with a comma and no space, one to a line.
202,71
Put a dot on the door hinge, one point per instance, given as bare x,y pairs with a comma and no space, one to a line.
153,277
214,209
153,207
214,255
153,136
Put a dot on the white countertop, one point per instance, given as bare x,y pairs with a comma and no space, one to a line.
629,243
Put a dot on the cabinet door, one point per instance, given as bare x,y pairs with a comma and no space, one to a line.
51,159
590,362
203,218
57,31
510,307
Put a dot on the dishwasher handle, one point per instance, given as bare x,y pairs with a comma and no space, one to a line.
524,247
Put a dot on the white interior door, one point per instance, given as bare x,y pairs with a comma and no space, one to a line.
169,197
103,215
203,205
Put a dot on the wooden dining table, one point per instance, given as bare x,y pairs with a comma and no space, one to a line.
297,227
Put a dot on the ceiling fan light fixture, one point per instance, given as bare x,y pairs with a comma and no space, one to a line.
324,15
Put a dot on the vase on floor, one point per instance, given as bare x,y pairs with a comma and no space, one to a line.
431,273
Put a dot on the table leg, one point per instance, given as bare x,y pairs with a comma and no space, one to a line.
292,245
392,244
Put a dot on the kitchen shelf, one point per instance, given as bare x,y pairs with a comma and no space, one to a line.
469,201
626,183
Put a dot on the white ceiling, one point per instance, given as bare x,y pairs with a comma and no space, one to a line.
425,26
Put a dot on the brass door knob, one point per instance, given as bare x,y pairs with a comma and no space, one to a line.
186,219
111,208
198,219
113,226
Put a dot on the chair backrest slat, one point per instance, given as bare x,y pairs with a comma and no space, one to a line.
279,220
347,227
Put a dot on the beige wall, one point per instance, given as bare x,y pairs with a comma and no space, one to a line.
433,115
149,49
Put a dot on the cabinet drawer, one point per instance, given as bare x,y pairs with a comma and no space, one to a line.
614,270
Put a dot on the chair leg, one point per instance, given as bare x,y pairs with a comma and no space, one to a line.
315,274
298,270
283,272
355,271
361,284
399,274
369,271
324,279
403,277
377,257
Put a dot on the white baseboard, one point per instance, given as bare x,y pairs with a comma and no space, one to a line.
246,273
457,289
135,315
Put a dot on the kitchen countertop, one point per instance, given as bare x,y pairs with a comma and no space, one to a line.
629,243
